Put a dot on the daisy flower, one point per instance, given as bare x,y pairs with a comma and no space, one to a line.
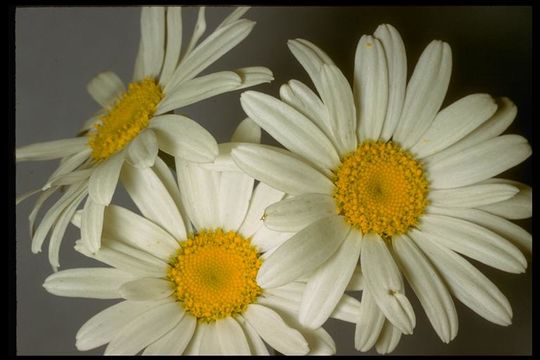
192,290
383,177
136,121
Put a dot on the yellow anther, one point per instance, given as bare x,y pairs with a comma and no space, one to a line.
130,115
380,188
214,273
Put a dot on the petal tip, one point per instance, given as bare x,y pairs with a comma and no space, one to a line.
309,320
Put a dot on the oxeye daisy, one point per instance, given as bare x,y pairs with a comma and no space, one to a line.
383,177
137,120
187,269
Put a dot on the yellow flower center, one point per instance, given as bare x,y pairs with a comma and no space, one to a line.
215,274
380,188
130,115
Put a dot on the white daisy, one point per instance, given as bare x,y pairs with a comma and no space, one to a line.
192,291
381,176
136,121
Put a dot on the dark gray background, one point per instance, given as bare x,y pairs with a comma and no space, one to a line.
58,50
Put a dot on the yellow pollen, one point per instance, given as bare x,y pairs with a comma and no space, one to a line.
380,188
214,274
130,115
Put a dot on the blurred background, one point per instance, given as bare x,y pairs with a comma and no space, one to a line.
59,49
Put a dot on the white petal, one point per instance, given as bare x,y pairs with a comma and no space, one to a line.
125,257
234,192
26,195
267,240
143,150
92,224
194,345
473,241
338,97
347,309
304,252
304,100
153,39
183,137
236,14
198,31
320,342
231,337
384,282
508,230
103,326
59,231
292,129
123,225
396,60
146,289
455,122
296,213
425,93
145,329
210,344
37,206
223,161
274,331
472,195
200,193
51,149
247,131
254,75
357,280
262,197
138,68
466,283
70,197
388,339
428,287
168,180
325,288
103,181
517,207
173,44
71,178
494,126
88,124
292,291
153,200
198,89
280,170
212,48
176,340
478,162
70,164
50,217
369,323
256,344
370,87
311,58
106,88
95,283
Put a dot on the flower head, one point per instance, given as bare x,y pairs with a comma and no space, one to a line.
192,289
136,121
383,177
